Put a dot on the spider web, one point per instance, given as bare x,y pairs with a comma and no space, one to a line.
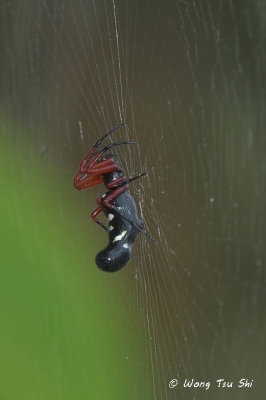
187,78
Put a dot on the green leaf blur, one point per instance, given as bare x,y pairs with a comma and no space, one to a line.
62,335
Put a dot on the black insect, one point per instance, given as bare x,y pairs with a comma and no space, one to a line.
117,204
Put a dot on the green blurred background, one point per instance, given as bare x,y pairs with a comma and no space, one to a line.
62,335
189,80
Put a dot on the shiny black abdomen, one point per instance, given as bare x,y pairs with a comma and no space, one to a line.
122,233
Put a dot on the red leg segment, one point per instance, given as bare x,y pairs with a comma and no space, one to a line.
94,174
117,182
103,167
97,144
99,200
113,195
95,219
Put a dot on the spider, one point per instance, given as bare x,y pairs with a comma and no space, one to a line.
117,204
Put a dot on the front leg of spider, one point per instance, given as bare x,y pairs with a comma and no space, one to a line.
117,204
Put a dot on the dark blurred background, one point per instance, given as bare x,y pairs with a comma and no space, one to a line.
188,78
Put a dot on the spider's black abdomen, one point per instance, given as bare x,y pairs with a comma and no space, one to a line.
111,260
122,234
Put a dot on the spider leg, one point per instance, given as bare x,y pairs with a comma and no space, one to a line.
99,200
95,219
94,175
116,183
123,181
107,147
111,197
82,167
97,144
103,167
136,177
96,167
87,169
